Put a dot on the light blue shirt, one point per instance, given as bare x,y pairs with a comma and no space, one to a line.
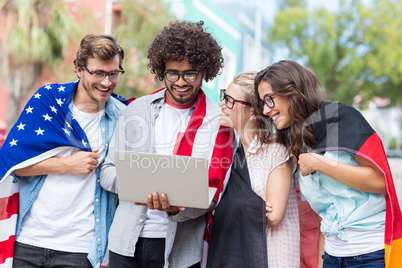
104,202
342,207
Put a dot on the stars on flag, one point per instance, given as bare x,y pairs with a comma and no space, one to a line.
47,117
29,109
66,131
21,126
39,131
53,109
68,125
59,101
42,123
13,142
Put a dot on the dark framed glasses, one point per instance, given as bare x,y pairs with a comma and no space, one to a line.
189,77
267,100
230,101
114,76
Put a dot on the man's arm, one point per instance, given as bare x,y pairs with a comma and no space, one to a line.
80,163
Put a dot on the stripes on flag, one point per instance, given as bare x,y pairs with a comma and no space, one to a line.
45,127
9,197
341,127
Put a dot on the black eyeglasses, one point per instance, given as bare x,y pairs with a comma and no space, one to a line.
114,76
189,77
267,100
230,101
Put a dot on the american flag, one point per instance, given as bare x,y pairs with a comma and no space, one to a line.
45,127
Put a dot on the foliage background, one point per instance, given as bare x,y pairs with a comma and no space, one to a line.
134,30
355,50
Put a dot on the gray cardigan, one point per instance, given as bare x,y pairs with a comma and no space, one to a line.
185,231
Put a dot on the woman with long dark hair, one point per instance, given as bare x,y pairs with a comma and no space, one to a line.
345,175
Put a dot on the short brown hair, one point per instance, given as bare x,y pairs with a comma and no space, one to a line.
98,46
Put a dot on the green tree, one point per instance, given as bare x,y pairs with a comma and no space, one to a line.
135,29
33,33
381,28
285,4
353,50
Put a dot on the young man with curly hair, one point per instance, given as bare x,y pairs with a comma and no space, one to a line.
176,120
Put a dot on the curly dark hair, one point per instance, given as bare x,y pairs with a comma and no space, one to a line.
289,79
182,39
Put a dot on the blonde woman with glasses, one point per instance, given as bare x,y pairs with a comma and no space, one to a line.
256,223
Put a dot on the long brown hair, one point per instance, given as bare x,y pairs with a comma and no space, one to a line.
301,86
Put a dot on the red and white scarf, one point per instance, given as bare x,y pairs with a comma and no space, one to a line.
205,137
219,148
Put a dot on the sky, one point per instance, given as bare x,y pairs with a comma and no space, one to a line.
269,13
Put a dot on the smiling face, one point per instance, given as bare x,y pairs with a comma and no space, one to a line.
93,93
240,114
182,92
280,112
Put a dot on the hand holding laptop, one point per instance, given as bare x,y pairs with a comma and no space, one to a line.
183,179
153,203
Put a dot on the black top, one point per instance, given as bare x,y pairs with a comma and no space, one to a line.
238,237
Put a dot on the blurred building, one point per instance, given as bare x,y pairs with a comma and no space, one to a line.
2,132
240,29
237,25
389,130
102,12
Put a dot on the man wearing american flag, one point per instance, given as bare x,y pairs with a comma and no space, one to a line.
53,153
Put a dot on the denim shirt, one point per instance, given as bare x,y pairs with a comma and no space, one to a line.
104,202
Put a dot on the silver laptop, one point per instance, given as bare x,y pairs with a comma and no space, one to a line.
184,179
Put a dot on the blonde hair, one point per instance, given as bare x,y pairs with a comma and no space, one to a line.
246,81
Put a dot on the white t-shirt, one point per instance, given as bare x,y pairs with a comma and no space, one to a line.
62,215
170,124
358,243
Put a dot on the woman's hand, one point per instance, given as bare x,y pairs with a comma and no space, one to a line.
268,208
307,162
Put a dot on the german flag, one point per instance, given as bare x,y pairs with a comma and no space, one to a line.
342,128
